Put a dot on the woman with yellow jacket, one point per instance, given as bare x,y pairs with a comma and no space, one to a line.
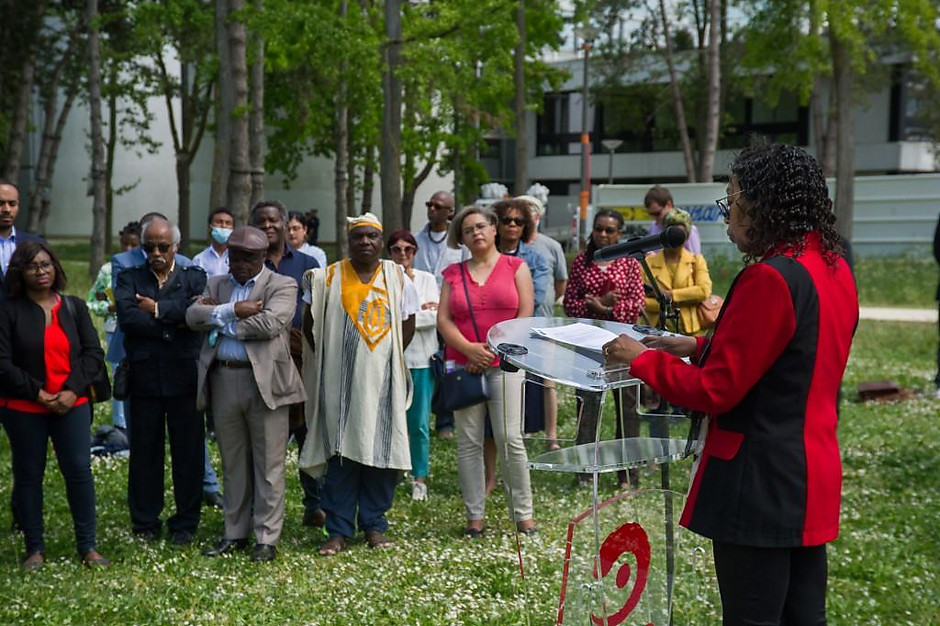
683,278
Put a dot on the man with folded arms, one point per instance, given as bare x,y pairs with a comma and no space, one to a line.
246,373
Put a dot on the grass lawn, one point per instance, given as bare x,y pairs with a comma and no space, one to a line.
883,568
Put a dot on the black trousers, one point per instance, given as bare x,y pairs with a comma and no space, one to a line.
29,439
151,417
771,586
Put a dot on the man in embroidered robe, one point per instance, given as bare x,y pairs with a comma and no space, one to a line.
358,321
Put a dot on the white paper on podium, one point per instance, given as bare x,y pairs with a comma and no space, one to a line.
578,335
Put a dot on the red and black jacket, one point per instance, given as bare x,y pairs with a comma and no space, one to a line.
770,473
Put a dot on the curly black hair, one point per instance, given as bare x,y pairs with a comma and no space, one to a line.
788,199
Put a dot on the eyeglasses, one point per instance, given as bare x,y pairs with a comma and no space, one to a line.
609,230
436,205
162,247
723,206
478,227
506,221
402,249
35,268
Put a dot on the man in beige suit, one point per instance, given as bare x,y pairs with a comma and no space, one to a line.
246,372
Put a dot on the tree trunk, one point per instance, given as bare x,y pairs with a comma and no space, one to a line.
109,166
829,141
223,111
183,162
408,198
845,137
256,149
97,142
351,208
391,119
521,182
713,111
340,177
48,153
19,121
239,178
676,90
368,180
818,120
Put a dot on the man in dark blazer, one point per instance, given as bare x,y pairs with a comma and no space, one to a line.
135,258
162,353
10,237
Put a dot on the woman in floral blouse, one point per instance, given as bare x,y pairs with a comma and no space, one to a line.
611,290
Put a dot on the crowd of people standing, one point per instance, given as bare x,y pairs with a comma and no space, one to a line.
261,338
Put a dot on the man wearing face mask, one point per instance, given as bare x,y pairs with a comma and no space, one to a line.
214,259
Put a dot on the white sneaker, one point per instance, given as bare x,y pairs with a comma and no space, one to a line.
419,491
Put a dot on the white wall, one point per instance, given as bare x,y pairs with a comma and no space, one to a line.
157,188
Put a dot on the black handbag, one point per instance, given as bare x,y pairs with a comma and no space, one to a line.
120,388
460,389
99,389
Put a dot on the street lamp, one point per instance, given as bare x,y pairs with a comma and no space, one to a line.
611,145
587,34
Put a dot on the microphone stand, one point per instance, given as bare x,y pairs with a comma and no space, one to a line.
667,311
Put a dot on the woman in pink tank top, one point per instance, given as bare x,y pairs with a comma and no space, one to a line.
497,288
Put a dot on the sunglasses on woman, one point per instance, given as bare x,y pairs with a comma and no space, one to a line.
506,221
606,230
402,249
162,247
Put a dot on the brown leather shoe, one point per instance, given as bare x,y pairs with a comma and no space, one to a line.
93,559
33,562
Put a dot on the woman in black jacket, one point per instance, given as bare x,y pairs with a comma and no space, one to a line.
49,355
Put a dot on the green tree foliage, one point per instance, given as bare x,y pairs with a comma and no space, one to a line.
457,77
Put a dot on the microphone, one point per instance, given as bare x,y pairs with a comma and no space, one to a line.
672,237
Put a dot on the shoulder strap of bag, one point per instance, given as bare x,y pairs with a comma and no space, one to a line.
463,275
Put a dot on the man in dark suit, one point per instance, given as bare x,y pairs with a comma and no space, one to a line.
9,236
135,258
162,353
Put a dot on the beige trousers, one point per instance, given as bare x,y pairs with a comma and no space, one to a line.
253,442
509,442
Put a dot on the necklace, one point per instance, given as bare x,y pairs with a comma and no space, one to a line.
431,236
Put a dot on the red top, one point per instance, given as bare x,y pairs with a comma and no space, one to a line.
622,276
769,382
496,300
58,354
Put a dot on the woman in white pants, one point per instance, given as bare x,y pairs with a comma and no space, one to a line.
486,289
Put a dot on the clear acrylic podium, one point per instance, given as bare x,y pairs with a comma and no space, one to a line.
623,576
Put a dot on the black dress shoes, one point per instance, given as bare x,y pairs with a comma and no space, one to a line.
181,538
263,552
147,534
226,546
212,499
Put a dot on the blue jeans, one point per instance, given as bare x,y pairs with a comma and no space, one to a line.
419,428
118,412
350,486
29,434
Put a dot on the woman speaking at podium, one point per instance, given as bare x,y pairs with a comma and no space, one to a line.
766,484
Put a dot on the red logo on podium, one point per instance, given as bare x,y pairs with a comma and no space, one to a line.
630,538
